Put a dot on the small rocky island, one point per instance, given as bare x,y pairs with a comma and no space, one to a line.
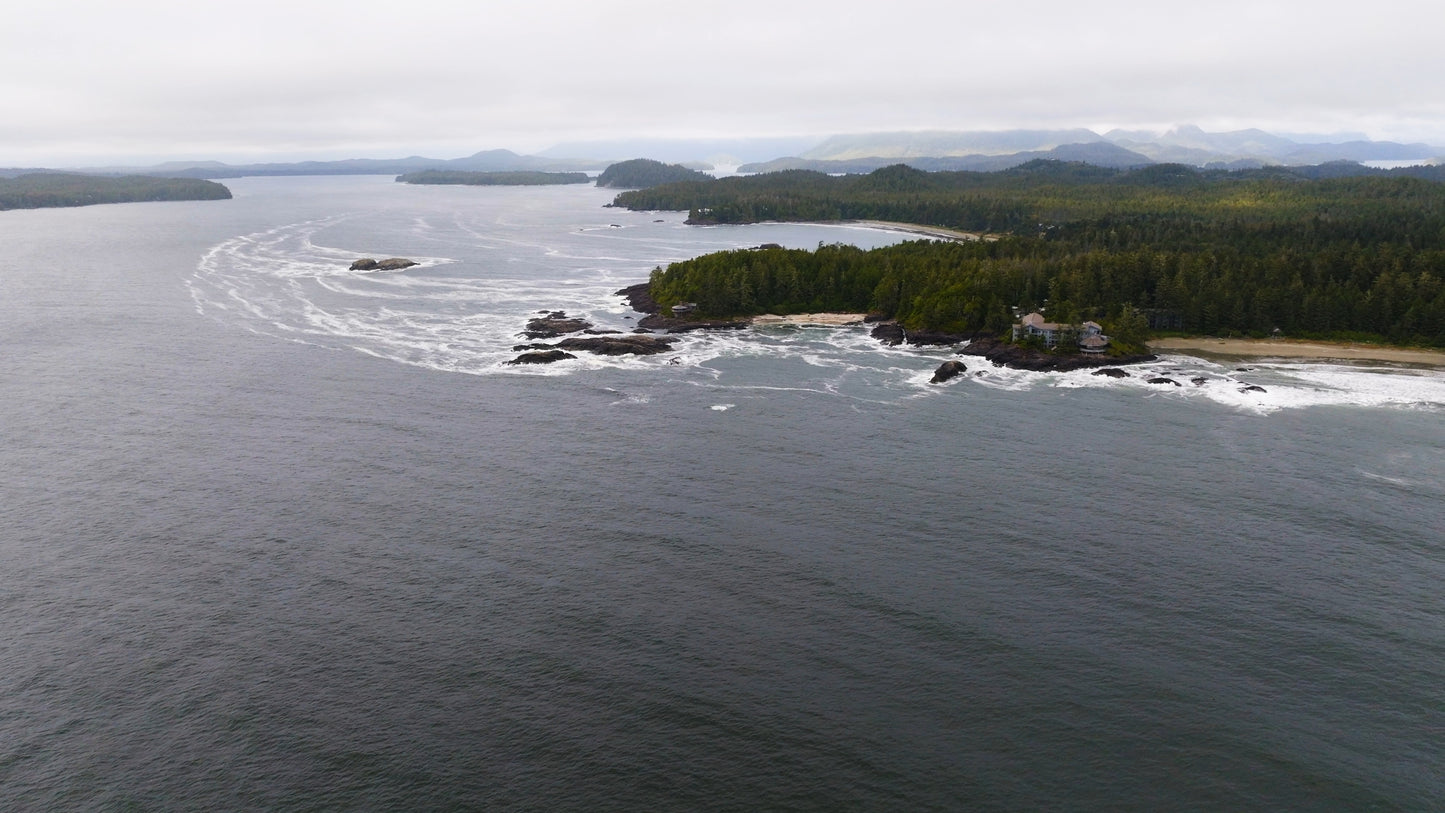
389,264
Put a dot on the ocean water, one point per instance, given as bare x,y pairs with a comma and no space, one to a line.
277,535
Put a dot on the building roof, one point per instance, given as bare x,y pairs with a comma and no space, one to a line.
1036,320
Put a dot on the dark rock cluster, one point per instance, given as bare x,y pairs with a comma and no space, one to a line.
554,324
600,342
389,264
623,345
893,334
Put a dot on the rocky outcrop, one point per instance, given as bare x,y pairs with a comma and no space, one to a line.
621,345
1006,354
1162,380
947,370
931,338
554,324
657,321
389,264
894,334
639,298
1252,388
890,333
541,357
1112,372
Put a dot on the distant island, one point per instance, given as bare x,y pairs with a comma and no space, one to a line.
640,173
512,178
46,190
1168,248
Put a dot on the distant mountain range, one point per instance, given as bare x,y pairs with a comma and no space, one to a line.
989,150
485,161
689,151
1099,153
1188,144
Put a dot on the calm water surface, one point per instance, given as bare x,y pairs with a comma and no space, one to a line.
275,535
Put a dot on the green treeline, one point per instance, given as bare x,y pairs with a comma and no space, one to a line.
1211,253
1023,199
513,178
47,189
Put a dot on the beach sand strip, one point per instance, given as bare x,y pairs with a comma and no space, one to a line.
1285,348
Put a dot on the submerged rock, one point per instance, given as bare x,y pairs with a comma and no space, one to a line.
1252,388
1198,381
947,370
1163,380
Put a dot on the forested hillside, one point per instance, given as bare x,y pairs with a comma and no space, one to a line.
644,172
42,190
1241,253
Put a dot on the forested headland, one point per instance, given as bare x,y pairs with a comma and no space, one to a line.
644,172
1219,253
47,189
509,178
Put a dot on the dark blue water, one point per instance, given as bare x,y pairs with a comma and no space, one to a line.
277,537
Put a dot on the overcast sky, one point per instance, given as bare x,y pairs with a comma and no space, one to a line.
83,81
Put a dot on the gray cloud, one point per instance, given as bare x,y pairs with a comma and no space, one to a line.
81,80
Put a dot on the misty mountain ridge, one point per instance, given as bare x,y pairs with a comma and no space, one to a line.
980,150
709,151
1098,153
942,144
499,160
1185,144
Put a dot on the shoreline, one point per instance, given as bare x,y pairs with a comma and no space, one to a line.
1298,349
827,319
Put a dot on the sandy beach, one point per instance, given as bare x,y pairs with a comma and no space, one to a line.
830,319
922,231
1286,348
